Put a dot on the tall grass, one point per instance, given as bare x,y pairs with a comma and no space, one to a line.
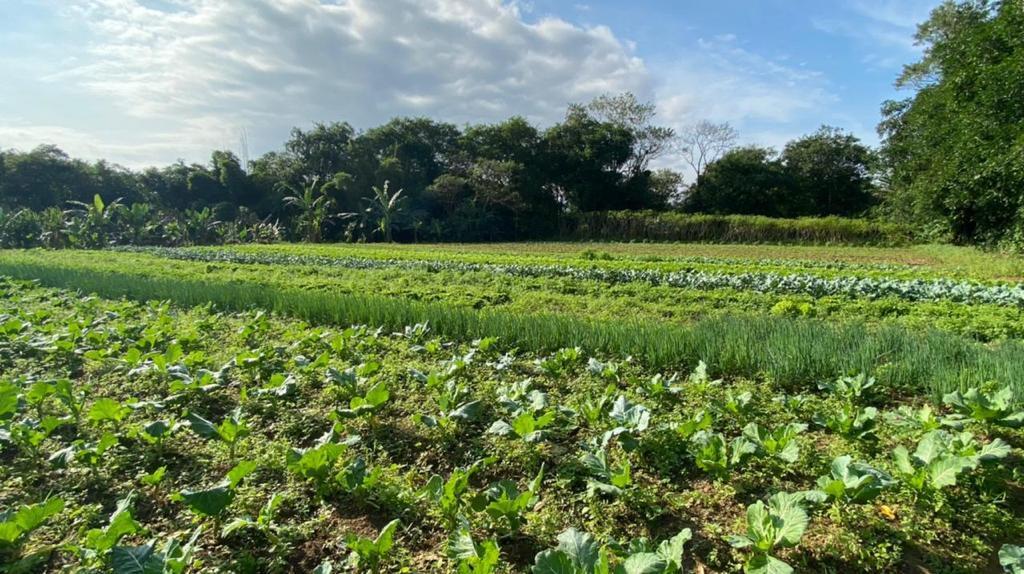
669,226
798,352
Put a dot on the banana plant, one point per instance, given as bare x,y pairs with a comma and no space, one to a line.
503,501
606,478
229,431
779,524
853,481
995,408
717,457
368,554
781,442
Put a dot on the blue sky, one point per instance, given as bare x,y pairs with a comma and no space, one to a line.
144,82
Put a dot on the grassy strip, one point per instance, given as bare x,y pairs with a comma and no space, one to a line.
669,226
789,350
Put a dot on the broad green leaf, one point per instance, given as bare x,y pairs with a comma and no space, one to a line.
554,562
208,502
643,563
580,547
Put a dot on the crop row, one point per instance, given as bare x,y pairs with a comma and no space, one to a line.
791,350
205,421
772,283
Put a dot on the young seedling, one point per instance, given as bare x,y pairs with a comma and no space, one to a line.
606,478
368,554
230,431
781,442
779,524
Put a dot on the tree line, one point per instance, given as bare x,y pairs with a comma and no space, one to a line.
416,178
951,163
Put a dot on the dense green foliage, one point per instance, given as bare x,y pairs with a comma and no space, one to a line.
790,346
954,151
145,436
827,173
673,226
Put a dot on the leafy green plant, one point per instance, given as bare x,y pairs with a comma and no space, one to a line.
932,466
100,542
17,524
365,403
449,497
1011,558
631,420
452,400
369,553
849,421
557,364
738,405
994,407
230,431
211,502
779,524
579,553
849,388
470,556
853,481
780,442
717,457
263,523
699,421
503,501
170,557
606,478
527,426
316,463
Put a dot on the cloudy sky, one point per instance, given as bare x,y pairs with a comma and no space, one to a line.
144,82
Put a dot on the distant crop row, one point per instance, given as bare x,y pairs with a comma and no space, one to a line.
793,350
770,283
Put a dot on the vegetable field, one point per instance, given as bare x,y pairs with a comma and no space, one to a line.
545,408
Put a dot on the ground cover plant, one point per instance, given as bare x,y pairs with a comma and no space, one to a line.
587,290
152,437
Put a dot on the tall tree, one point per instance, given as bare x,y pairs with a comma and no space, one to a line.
703,143
626,111
831,171
746,180
954,150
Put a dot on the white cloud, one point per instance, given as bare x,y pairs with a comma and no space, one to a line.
176,78
722,81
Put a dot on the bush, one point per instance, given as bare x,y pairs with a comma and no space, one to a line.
671,226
